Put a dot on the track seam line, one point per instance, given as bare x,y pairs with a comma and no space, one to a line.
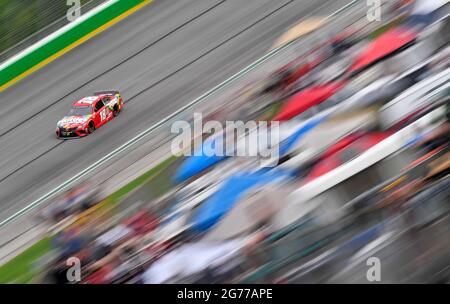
113,67
75,44
157,125
30,161
211,50
171,74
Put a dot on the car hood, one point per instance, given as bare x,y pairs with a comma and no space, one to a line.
71,121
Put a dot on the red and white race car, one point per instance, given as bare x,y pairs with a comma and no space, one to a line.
89,114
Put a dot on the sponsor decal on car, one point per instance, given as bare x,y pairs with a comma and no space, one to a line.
113,102
88,100
73,120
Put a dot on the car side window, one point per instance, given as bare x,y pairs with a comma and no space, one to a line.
99,105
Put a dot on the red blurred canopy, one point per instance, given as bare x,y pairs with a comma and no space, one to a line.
308,98
387,43
343,151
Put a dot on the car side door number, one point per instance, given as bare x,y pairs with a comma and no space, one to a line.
103,115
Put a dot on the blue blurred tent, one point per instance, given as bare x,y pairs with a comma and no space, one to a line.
200,161
292,140
232,190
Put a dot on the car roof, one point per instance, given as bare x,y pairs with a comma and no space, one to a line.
86,101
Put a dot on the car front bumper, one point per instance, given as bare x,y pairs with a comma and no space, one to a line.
70,133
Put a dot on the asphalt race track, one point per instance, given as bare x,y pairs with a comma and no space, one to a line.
160,58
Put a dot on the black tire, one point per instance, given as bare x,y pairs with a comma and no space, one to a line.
91,127
116,110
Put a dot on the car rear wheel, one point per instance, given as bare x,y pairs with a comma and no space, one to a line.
116,110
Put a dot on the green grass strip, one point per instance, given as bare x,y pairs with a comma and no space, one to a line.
116,196
20,269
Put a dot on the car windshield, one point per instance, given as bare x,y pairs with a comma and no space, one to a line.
80,111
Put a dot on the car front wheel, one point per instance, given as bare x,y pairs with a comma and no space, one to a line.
91,128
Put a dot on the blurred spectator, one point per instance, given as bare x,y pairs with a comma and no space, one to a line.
440,136
424,12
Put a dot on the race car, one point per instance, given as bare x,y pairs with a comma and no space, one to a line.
89,114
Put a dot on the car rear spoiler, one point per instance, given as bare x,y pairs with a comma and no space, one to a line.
111,92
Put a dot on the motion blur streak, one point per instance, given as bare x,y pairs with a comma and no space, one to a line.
115,45
361,115
74,45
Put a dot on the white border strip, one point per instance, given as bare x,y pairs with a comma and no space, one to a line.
380,151
56,34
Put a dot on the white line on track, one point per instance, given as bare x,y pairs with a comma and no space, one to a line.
146,132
